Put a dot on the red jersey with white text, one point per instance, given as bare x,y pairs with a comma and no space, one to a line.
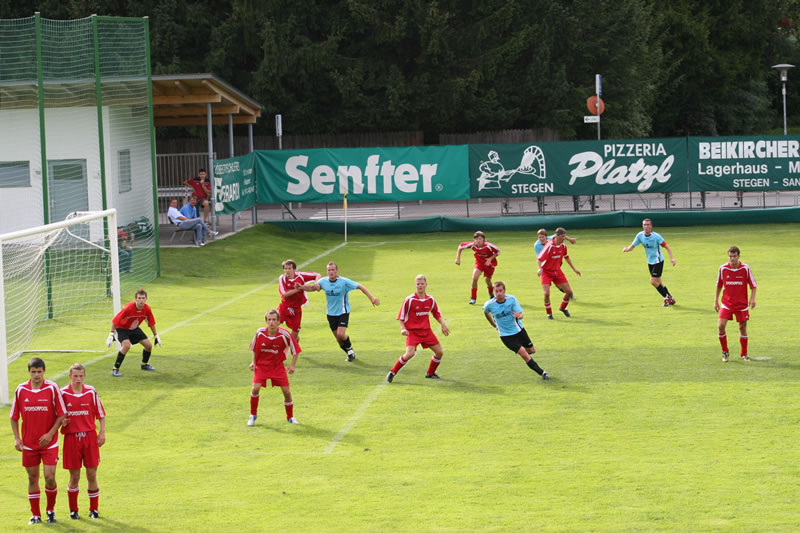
83,408
285,284
735,282
271,350
551,256
131,317
415,311
482,253
39,409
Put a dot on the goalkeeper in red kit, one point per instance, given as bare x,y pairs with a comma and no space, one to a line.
125,329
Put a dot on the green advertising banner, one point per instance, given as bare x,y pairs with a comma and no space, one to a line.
366,174
234,184
577,167
744,163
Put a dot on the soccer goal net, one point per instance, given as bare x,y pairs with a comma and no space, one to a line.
59,287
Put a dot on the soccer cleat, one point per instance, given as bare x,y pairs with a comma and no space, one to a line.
292,420
390,376
671,300
545,376
472,301
35,520
251,420
566,313
666,302
94,515
744,357
432,376
116,373
724,357
74,515
351,355
550,317
51,517
148,367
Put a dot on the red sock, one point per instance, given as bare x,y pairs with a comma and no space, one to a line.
434,365
254,405
289,409
72,494
548,308
564,303
33,499
743,343
94,499
475,293
51,497
723,341
491,292
398,365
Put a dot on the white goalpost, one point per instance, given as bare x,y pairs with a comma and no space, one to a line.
59,287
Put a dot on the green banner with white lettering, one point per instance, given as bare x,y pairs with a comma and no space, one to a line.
366,174
744,163
577,168
234,184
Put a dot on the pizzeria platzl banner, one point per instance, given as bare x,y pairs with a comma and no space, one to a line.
578,168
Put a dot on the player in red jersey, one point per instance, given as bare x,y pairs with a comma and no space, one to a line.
293,297
38,402
485,262
549,260
734,277
125,328
416,327
81,440
269,347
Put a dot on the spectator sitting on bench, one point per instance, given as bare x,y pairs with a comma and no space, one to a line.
125,245
185,222
202,190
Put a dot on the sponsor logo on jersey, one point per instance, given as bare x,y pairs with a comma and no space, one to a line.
734,282
77,413
36,408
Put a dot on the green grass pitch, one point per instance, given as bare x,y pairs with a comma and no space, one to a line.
642,427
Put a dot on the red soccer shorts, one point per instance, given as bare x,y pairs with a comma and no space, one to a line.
290,316
81,449
48,456
557,277
728,314
424,337
277,379
488,271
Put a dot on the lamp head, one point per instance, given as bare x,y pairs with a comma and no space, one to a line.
783,68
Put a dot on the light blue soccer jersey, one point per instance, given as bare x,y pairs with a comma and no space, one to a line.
502,312
336,294
652,246
537,246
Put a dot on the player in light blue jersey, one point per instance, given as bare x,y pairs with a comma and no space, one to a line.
504,313
336,289
653,242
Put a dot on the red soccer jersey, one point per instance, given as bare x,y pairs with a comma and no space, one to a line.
735,282
270,351
415,310
285,284
131,318
198,189
82,409
551,256
39,409
482,253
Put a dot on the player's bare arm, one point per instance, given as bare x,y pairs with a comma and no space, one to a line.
458,256
490,259
716,299
753,298
372,299
292,364
669,251
572,240
445,329
45,439
569,261
403,330
627,248
101,434
490,319
517,315
17,438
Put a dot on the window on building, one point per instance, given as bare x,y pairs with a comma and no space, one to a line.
124,170
15,174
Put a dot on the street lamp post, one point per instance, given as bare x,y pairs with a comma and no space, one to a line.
783,68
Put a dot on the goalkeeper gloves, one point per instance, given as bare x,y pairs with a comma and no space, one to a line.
157,340
110,340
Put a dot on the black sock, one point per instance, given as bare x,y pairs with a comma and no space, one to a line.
533,366
345,344
662,290
666,292
145,357
120,358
